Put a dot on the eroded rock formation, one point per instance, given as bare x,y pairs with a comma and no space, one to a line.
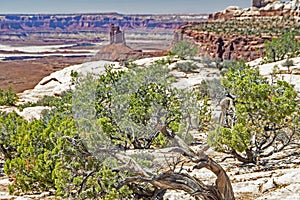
237,33
224,47
116,35
94,22
260,8
256,3
261,3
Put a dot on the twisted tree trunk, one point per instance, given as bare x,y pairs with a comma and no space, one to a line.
171,180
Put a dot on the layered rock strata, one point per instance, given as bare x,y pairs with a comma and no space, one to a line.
237,33
224,47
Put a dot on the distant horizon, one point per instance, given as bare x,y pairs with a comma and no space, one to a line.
105,13
125,7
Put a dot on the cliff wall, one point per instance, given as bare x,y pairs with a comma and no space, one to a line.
91,22
237,33
226,47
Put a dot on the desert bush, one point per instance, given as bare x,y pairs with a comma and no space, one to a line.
267,115
184,49
46,157
288,63
63,102
130,64
140,99
8,97
213,89
32,167
186,66
280,48
85,151
9,127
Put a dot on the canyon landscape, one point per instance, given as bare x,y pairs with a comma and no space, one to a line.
151,106
36,45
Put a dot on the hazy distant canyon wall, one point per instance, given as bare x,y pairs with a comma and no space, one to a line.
21,26
91,22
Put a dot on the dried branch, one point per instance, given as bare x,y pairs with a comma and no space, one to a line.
248,159
131,166
223,184
175,181
225,158
271,142
85,180
284,144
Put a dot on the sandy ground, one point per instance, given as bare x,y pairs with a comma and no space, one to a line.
22,75
25,74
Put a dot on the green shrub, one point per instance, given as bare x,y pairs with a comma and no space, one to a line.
184,50
63,102
8,97
10,124
44,158
280,48
186,66
267,115
32,168
73,149
133,99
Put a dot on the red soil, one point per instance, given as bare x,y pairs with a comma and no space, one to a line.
23,75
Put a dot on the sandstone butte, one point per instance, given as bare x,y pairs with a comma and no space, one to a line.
241,30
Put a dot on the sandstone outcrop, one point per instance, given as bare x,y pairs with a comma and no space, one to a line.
116,52
121,52
224,47
237,33
116,35
271,8
262,3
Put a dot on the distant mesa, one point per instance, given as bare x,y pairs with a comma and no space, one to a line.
35,23
116,35
58,29
117,50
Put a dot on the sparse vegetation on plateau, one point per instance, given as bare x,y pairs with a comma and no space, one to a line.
84,149
186,66
184,50
251,27
265,119
284,47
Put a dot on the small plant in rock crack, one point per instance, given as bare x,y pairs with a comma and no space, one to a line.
186,66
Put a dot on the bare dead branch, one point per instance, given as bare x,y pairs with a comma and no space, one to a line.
222,182
248,159
132,166
85,180
225,158
175,181
271,142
